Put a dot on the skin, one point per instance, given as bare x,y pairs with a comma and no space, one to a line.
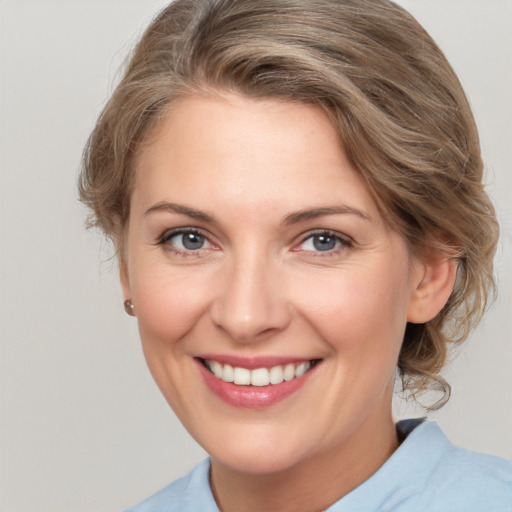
259,286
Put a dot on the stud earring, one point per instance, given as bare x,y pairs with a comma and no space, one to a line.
129,308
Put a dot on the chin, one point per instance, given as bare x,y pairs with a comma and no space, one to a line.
269,452
256,462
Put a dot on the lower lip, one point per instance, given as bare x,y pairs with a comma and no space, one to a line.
252,397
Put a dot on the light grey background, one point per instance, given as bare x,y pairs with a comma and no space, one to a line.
82,426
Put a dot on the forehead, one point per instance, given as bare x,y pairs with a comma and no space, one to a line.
250,153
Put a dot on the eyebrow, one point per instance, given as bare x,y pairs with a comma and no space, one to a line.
292,218
313,213
180,209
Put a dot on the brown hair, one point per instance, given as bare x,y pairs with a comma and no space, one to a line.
399,108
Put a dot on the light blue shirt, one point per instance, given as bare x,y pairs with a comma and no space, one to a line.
426,473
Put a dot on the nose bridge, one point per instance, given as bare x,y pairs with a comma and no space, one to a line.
250,301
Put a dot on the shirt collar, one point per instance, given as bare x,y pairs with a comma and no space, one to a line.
404,474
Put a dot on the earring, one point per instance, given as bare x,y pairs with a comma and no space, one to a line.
129,308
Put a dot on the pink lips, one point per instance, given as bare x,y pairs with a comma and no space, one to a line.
253,397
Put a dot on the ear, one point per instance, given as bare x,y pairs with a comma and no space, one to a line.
434,278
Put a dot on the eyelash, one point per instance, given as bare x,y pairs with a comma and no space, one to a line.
344,242
168,235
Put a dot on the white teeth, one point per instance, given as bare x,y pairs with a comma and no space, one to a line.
259,376
302,369
276,375
228,374
216,369
242,376
289,372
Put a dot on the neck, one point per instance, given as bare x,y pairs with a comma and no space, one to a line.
312,484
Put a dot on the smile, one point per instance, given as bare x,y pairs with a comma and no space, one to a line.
255,384
258,376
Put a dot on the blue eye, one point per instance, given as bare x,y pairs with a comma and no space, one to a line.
192,241
323,242
186,241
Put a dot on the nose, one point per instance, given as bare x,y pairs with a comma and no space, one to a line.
251,303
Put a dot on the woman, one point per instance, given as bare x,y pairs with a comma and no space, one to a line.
295,193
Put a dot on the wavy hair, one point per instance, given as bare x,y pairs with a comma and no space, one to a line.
398,107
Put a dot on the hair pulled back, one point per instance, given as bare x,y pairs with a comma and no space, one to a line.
396,103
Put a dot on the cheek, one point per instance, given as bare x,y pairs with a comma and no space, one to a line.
169,306
168,303
358,309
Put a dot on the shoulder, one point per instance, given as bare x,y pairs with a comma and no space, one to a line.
469,481
187,494
461,480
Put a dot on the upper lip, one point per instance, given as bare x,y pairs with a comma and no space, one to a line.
252,363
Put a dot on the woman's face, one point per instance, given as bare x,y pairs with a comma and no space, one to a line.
255,252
